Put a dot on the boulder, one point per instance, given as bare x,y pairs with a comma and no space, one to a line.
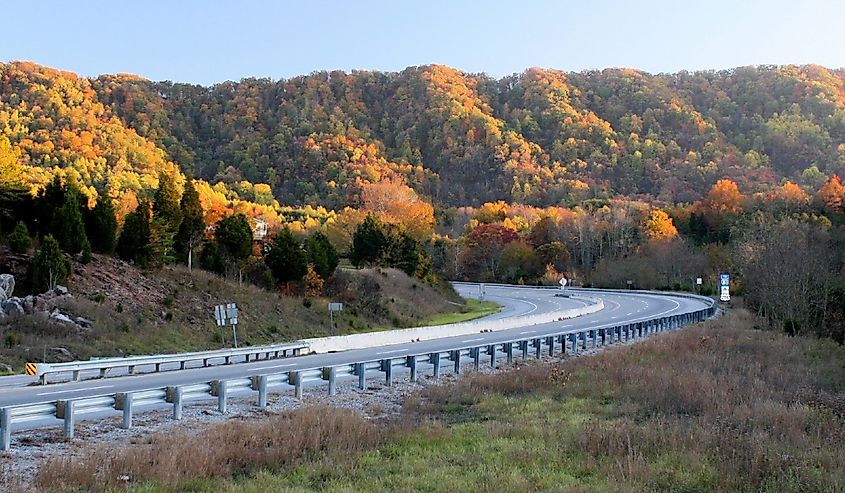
63,353
7,286
84,322
29,304
61,317
4,368
12,307
60,291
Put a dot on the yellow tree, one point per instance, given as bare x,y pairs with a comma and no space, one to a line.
723,200
830,196
659,226
394,201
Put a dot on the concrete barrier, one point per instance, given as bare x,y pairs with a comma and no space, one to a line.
401,336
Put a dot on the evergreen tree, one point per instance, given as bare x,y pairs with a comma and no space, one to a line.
286,258
50,200
192,228
166,203
134,242
68,227
322,254
49,267
234,238
368,242
19,240
101,225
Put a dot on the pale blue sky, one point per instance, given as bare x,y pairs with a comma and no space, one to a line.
207,42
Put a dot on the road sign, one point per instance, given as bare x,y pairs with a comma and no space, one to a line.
227,314
335,307
563,282
724,287
698,281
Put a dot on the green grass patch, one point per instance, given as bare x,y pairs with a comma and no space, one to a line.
471,310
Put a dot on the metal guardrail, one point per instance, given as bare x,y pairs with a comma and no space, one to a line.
570,341
132,363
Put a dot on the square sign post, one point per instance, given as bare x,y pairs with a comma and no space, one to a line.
334,307
227,314
724,287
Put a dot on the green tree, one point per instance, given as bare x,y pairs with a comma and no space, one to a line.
286,258
49,266
192,227
101,225
322,254
234,237
68,227
368,242
134,242
166,206
19,240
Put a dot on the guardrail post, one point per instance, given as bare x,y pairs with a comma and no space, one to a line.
332,378
361,370
76,374
476,357
181,365
509,352
412,364
5,428
573,343
551,342
123,402
262,391
491,350
103,372
456,358
538,343
523,346
435,361
131,369
594,334
173,395
387,368
219,387
297,383
64,410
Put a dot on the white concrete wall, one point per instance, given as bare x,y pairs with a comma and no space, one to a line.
400,336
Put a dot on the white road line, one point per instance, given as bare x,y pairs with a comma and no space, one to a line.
272,367
527,332
474,340
394,351
76,390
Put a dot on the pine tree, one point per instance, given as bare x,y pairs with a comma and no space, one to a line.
286,258
234,237
166,203
192,228
134,242
19,240
49,267
368,242
68,227
322,254
101,225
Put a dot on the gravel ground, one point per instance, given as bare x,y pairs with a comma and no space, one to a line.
30,448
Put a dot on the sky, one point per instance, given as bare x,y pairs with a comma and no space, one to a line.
208,41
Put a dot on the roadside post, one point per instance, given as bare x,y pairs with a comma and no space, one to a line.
698,282
333,307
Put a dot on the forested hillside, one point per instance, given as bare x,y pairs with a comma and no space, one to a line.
541,137
603,176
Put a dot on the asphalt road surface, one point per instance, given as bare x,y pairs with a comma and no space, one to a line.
619,308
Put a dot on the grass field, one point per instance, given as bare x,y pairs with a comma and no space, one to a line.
718,407
471,310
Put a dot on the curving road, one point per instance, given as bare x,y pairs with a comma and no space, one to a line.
619,308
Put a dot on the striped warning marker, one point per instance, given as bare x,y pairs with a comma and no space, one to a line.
30,369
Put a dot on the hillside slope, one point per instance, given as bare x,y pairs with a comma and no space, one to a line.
139,312
541,137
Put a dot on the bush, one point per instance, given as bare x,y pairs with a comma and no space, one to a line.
19,240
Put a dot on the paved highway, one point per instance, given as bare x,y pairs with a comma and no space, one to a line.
619,308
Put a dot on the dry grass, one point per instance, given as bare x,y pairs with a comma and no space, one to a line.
222,451
736,408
